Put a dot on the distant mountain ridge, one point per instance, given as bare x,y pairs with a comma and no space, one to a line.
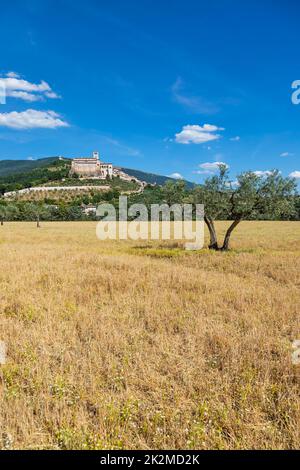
13,167
152,178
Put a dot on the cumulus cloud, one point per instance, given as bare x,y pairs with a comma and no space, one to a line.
263,172
194,134
176,176
18,88
51,94
23,95
235,139
12,75
295,174
31,119
210,167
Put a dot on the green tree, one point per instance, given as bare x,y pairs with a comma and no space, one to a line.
251,197
12,212
2,213
74,213
33,212
297,204
173,193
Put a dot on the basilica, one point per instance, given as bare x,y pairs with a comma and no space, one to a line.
91,167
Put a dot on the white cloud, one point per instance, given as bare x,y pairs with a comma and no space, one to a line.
286,154
194,134
295,174
31,119
23,95
12,75
235,139
13,83
176,176
16,87
52,94
210,167
263,173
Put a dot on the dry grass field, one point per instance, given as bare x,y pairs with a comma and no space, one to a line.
126,345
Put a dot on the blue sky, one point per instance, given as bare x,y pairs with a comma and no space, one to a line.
160,86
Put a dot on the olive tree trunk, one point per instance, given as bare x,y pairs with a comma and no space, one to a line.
213,245
225,246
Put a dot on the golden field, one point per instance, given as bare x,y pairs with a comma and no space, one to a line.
127,345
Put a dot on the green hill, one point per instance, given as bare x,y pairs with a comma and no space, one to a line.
25,173
152,178
38,173
11,167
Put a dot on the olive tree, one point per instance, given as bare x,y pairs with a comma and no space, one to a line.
252,196
173,193
2,213
12,212
33,211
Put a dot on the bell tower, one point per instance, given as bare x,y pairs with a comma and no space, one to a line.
96,155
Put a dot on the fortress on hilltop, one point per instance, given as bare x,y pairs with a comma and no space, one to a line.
91,167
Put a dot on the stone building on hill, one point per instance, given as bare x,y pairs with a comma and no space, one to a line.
91,167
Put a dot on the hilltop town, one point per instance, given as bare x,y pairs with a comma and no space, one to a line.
59,188
94,168
82,175
91,167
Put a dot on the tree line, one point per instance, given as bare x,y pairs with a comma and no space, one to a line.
250,197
